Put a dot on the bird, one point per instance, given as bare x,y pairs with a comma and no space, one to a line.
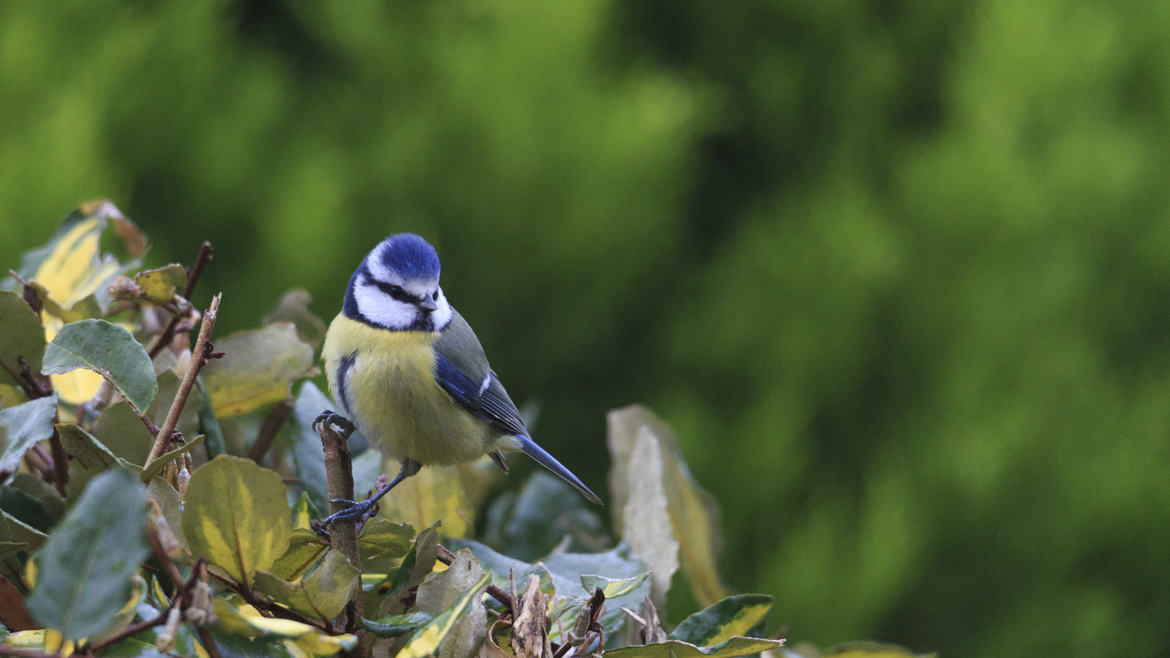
408,371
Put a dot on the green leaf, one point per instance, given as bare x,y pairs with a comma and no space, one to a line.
162,283
736,646
21,335
612,587
90,457
306,443
415,566
565,571
434,494
734,615
108,350
258,369
294,307
247,621
236,514
425,641
396,625
302,512
529,522
322,593
31,499
694,514
85,569
22,426
305,547
382,538
19,531
444,590
208,423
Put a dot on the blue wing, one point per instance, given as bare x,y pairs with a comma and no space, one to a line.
462,370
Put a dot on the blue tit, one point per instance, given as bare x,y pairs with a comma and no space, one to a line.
409,372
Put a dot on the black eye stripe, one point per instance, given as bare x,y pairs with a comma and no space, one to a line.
394,291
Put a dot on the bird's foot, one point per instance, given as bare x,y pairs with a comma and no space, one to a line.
352,509
334,421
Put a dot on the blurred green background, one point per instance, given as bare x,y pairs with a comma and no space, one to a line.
896,271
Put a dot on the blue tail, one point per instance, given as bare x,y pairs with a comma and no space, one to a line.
548,461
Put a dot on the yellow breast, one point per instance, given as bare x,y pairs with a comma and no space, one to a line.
385,381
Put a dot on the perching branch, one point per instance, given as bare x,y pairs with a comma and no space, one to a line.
343,535
199,356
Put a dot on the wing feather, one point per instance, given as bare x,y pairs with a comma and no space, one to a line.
462,369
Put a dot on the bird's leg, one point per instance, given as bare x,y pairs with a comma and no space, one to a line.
354,509
343,425
498,457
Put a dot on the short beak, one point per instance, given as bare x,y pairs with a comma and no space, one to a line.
427,304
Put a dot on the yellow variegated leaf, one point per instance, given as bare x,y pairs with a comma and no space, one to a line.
694,514
736,615
434,494
45,639
425,641
247,621
320,644
161,284
237,516
74,269
258,368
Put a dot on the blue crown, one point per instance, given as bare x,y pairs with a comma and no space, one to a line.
410,256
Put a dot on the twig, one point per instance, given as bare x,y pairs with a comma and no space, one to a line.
268,430
133,629
199,357
343,534
208,641
168,332
60,462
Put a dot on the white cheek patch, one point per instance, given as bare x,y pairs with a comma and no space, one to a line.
441,316
380,308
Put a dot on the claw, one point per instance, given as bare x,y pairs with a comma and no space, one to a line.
329,417
352,510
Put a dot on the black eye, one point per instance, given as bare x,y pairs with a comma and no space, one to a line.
435,296
394,291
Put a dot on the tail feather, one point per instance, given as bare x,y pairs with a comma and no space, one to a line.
548,461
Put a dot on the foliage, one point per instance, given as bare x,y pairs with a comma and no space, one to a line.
125,537
902,266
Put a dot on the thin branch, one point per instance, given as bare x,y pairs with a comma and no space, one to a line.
133,629
60,462
199,357
168,333
208,641
268,430
267,606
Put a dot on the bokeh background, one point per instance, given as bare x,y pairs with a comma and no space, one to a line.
897,272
